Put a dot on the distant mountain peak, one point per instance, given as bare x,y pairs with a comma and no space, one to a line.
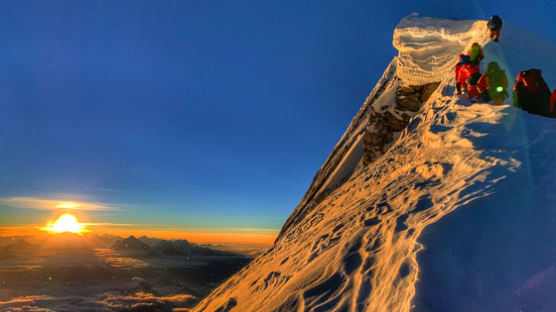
131,243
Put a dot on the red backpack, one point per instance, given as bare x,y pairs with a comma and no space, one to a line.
530,79
531,93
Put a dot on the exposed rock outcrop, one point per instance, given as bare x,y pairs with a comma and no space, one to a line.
410,98
382,126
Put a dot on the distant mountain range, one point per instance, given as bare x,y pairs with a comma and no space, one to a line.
131,243
70,243
159,247
151,241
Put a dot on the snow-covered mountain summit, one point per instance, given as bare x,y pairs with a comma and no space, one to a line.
427,202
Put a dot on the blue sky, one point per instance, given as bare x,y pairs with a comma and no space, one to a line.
193,114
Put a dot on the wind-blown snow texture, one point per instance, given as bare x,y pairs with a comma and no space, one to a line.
458,215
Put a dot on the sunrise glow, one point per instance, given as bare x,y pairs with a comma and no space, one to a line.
66,223
67,205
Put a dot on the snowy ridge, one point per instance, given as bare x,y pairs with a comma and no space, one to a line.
421,41
429,47
327,175
356,249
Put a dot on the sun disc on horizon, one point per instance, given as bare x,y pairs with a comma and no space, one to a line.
66,223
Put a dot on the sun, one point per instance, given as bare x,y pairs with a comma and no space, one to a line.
66,223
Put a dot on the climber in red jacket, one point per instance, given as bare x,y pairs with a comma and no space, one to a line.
469,73
460,81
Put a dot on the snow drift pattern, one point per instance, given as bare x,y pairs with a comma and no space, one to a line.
356,248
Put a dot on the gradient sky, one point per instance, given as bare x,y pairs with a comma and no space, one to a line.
206,116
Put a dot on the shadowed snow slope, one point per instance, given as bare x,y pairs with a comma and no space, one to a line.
458,215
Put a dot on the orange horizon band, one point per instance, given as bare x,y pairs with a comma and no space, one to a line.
192,236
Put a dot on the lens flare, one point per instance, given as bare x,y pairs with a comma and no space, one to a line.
65,223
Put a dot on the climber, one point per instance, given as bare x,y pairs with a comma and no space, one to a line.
460,83
531,93
494,24
469,74
493,84
475,53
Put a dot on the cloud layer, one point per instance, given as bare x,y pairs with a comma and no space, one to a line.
139,301
51,204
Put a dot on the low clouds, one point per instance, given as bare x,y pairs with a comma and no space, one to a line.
139,301
142,301
50,204
26,303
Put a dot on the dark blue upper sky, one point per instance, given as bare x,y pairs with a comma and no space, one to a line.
193,113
